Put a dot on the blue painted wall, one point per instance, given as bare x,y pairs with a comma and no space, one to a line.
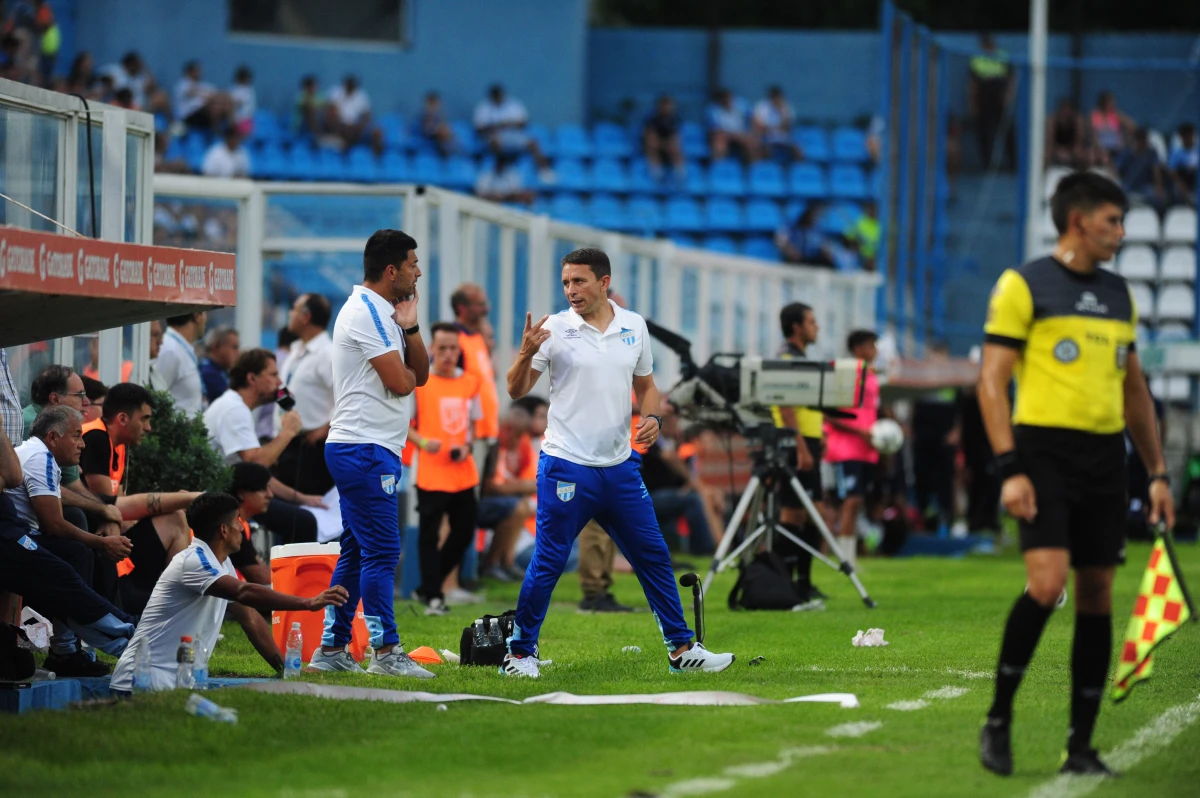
536,47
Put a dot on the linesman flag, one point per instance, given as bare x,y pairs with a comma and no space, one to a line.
1163,605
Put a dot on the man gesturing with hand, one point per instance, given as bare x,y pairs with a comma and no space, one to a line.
595,353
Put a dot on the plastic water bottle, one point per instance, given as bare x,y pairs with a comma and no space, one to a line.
185,674
201,707
201,668
495,636
292,658
143,669
481,638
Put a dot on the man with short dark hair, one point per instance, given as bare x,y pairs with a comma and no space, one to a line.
96,392
250,483
378,360
1066,329
597,354
308,376
221,348
195,592
177,366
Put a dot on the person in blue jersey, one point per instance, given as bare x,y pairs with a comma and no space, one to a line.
596,352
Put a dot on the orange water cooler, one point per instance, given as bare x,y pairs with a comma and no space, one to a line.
305,569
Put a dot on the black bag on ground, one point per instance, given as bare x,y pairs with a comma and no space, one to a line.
764,584
492,652
16,657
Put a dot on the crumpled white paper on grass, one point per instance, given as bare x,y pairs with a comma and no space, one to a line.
869,638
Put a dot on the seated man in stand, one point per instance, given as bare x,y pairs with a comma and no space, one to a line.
57,555
195,592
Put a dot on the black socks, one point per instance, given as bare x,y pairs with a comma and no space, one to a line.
1090,656
1021,635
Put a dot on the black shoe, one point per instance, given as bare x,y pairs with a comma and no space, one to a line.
995,747
1087,763
602,603
77,664
815,592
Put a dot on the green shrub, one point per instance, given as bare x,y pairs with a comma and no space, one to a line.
175,454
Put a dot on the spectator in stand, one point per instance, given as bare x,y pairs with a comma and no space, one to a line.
177,364
1141,172
96,392
1066,138
500,120
197,591
132,74
198,105
434,127
1110,128
82,77
157,334
661,142
1182,164
158,530
250,484
227,157
802,242
55,385
773,119
11,67
349,115
509,493
244,99
863,235
308,375
675,492
470,307
221,349
729,129
503,182
308,110
989,92
254,382
92,369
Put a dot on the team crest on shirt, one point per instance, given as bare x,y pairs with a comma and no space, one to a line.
566,491
389,483
28,543
627,337
453,412
1089,304
571,334
1066,351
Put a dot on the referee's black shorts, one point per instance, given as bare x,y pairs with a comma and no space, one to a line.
810,480
1080,485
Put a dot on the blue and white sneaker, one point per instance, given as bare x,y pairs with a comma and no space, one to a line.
699,658
397,663
518,665
339,661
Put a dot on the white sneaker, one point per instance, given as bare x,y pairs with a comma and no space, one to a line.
699,658
436,607
516,665
458,596
337,661
812,605
396,663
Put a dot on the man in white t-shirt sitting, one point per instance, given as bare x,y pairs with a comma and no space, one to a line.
350,115
253,383
227,158
198,104
500,120
773,118
193,594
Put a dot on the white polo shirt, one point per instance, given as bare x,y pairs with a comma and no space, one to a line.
364,411
510,111
350,107
179,369
308,374
177,608
230,424
42,477
591,376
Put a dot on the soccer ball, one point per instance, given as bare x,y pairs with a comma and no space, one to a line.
886,436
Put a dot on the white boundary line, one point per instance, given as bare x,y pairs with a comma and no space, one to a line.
754,770
1146,742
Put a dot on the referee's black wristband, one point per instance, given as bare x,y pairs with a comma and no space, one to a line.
1008,465
413,330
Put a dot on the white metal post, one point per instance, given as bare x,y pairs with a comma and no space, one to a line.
507,299
1038,11
247,314
449,248
537,290
112,228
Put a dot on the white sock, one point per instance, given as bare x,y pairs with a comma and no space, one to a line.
849,547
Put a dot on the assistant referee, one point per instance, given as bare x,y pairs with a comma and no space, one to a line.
1066,330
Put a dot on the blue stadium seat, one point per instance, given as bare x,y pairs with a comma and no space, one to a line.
640,180
644,215
685,241
695,181
175,150
611,141
569,175
850,145
427,168
763,215
609,175
766,179
395,137
568,208
720,244
302,163
759,247
195,145
683,214
875,185
330,165
605,211
723,215
847,181
727,177
395,168
807,180
793,209
573,142
267,127
541,134
693,140
838,216
460,173
465,137
814,141
363,168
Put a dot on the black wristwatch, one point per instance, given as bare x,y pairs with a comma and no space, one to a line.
656,418
1163,477
1009,465
413,330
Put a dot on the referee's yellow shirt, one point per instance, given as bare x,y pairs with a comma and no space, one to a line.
1075,333
811,422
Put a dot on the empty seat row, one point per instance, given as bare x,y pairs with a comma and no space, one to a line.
1171,303
647,215
1177,263
1142,226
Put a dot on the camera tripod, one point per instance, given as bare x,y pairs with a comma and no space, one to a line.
772,471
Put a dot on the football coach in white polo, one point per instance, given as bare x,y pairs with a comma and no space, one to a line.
595,352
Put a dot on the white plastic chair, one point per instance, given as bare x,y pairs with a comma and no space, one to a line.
1176,303
1143,300
1173,331
1138,262
1178,264
1179,226
1142,226
1178,389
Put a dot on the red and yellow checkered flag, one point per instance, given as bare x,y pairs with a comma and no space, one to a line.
1162,606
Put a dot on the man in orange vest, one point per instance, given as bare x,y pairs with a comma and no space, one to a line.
446,408
156,526
470,307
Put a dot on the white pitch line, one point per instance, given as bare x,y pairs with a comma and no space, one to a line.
908,706
947,693
753,770
1147,741
856,729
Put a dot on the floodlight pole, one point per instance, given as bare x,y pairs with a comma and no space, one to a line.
1038,12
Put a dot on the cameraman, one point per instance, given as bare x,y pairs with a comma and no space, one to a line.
799,326
443,424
